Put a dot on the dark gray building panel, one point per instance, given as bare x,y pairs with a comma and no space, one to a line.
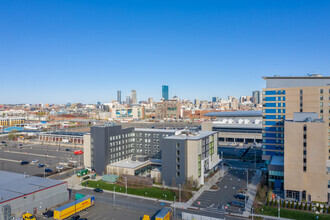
173,167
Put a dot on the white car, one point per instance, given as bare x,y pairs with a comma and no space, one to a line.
34,161
59,167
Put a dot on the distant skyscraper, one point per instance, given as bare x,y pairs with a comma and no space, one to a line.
256,97
133,97
150,100
128,99
165,92
215,99
197,103
119,96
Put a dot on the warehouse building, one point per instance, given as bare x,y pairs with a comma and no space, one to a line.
62,137
21,193
236,127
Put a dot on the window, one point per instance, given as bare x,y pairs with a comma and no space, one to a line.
178,167
177,174
321,110
321,104
321,97
177,153
321,91
177,146
178,159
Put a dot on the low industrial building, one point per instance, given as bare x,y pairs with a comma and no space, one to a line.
235,127
21,193
11,121
62,137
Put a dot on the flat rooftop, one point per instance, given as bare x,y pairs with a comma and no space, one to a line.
128,163
193,136
155,130
231,114
14,185
65,133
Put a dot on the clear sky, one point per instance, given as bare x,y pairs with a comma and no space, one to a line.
59,51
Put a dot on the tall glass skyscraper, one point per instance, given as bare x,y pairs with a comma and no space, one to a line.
165,92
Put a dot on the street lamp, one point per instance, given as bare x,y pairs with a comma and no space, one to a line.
126,184
180,193
114,196
252,212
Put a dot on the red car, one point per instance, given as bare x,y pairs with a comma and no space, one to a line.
78,152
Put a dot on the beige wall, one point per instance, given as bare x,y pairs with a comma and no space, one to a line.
87,151
120,170
311,102
315,180
193,149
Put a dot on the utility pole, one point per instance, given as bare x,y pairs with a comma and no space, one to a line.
126,184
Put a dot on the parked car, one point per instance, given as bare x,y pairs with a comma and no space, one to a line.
48,214
48,170
41,165
34,161
236,204
77,217
240,196
25,162
83,219
59,167
98,190
67,149
3,142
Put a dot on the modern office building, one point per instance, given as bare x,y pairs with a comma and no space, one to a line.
127,113
128,99
305,158
165,92
11,121
112,143
119,96
257,97
133,97
282,97
235,127
168,109
187,156
215,99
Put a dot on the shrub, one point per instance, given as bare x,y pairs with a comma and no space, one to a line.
267,202
310,207
272,203
275,202
292,205
283,204
301,206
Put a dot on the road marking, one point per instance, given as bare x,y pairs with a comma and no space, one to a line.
25,153
16,161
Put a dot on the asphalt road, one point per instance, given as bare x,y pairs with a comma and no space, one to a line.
215,201
139,206
12,154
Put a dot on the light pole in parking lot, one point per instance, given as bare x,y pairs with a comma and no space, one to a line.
180,193
114,196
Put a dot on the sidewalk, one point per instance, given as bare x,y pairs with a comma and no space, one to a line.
252,191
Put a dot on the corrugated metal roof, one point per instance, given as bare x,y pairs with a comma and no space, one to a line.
13,185
235,114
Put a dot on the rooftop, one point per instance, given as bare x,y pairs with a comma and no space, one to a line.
191,135
14,185
155,130
128,163
235,114
277,161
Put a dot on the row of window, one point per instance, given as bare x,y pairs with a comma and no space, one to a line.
281,117
273,110
274,98
273,122
272,104
277,92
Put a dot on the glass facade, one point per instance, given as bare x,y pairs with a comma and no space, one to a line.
165,92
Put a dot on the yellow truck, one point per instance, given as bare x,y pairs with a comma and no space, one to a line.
74,207
146,217
164,214
28,216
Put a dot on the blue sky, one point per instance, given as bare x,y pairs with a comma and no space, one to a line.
84,51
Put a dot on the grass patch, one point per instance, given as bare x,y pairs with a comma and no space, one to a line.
292,214
152,192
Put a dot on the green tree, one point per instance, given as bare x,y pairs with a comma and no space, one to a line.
292,205
267,201
276,202
283,204
272,203
310,207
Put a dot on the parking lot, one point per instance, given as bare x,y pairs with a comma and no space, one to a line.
12,153
216,200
